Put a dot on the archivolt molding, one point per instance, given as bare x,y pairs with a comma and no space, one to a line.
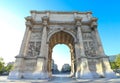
55,31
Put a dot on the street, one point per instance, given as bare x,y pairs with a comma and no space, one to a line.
60,78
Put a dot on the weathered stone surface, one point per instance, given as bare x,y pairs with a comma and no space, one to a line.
78,30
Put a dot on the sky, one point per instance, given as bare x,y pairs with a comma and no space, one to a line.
12,22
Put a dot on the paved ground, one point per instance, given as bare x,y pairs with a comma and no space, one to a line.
60,79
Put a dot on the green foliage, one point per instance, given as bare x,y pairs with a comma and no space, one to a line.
4,68
1,65
113,65
9,67
117,61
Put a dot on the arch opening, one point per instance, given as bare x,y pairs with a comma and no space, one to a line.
61,56
65,39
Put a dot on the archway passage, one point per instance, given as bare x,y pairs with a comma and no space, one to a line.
61,59
61,38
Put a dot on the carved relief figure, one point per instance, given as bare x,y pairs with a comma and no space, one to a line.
33,48
92,48
89,48
37,48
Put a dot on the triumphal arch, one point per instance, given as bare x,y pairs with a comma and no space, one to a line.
78,30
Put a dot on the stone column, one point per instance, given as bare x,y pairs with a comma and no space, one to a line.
72,63
81,41
26,38
41,68
99,44
100,48
49,63
24,42
82,64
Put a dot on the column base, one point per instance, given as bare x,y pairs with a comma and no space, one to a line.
15,75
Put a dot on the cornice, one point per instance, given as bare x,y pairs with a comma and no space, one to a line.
59,12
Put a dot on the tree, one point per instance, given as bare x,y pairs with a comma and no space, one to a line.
9,67
113,65
66,68
1,65
117,61
5,69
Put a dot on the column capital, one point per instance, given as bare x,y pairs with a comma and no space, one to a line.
94,22
78,21
29,24
28,21
45,20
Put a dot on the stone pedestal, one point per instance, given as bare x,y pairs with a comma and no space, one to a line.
83,71
17,73
40,72
107,69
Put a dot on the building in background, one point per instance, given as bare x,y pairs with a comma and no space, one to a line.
66,68
54,68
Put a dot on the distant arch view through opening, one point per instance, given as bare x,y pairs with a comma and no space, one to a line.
61,59
61,55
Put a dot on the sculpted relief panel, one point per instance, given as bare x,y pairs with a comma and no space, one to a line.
89,48
89,44
33,49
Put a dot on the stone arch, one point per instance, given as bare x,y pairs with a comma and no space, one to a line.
61,22
61,37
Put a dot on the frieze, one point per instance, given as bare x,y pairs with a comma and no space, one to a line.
86,29
87,36
35,36
53,28
37,29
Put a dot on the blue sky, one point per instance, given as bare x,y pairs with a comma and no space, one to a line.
12,23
